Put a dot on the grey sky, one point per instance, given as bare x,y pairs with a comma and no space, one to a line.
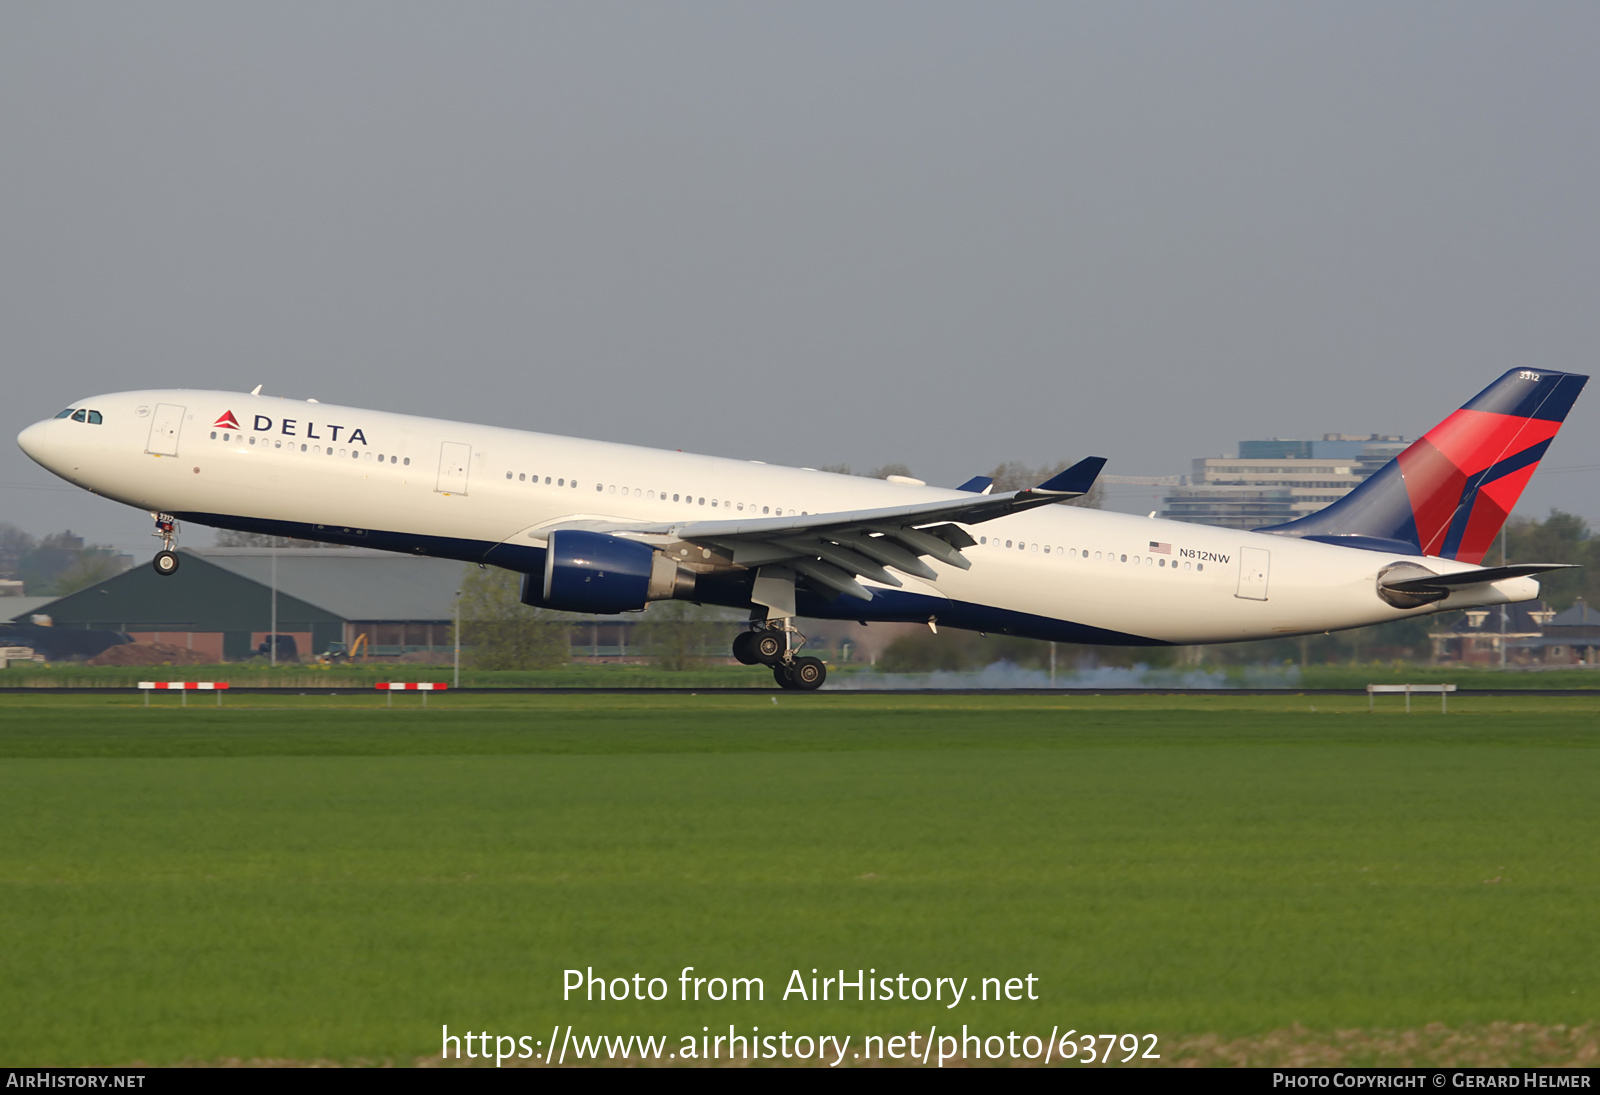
948,235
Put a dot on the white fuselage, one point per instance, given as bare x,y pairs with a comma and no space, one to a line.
338,472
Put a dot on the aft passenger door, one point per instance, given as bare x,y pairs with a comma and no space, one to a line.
454,460
1254,565
164,429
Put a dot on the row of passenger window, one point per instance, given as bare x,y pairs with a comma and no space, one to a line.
662,496
1075,553
314,450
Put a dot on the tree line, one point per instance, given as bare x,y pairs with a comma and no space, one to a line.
55,565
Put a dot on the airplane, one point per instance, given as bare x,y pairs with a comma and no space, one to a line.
604,528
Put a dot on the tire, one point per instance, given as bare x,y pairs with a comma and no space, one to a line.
768,647
744,648
808,674
165,563
784,675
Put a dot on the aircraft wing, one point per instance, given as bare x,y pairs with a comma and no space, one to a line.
834,549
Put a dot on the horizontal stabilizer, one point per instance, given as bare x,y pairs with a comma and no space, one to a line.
1078,479
1473,577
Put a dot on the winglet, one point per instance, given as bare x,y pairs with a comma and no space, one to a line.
1078,479
978,484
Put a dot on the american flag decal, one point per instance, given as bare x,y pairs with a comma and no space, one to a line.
1160,549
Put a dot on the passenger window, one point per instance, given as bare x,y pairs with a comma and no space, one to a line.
521,478
80,416
302,448
252,441
407,462
763,509
713,503
277,444
213,435
561,482
1124,558
508,475
702,501
95,419
674,497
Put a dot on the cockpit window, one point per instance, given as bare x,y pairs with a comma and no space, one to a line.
80,416
95,419
66,413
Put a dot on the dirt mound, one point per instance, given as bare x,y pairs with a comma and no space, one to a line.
148,654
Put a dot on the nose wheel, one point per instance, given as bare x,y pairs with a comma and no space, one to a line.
166,560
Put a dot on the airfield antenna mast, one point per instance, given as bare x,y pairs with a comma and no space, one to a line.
1502,607
272,637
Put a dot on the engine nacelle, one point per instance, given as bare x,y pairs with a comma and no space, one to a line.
596,573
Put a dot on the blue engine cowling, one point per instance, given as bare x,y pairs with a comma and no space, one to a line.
591,572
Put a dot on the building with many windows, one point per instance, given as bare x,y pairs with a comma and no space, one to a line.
1276,480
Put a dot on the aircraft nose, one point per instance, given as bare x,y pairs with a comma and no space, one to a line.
35,441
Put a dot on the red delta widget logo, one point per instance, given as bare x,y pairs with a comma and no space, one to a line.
295,427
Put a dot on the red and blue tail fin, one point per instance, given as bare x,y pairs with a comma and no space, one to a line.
1449,493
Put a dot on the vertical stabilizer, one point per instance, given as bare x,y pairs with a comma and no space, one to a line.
1449,493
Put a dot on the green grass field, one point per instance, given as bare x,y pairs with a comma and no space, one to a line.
324,878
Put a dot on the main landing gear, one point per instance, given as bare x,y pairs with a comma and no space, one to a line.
776,643
166,560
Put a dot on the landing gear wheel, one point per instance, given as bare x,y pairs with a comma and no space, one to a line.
768,647
744,648
784,675
808,674
165,563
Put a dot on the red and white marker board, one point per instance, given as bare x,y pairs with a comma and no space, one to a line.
185,687
424,687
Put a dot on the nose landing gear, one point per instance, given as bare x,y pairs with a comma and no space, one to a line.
166,560
776,643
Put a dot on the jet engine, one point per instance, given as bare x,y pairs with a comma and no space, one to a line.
595,573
